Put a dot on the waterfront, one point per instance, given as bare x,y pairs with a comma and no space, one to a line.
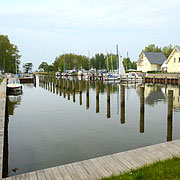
48,129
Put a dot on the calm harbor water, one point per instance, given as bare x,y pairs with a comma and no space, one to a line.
51,126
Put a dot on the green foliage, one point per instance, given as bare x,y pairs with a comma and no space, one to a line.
27,67
166,50
111,62
43,66
168,169
72,61
128,64
98,61
9,55
152,48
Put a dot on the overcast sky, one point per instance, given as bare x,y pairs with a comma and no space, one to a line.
44,29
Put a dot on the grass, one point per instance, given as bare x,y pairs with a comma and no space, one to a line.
162,170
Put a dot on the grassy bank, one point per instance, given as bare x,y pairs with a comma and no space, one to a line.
168,169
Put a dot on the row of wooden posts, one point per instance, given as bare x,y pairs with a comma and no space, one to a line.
162,80
122,101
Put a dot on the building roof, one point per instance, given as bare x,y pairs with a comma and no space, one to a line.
155,57
178,47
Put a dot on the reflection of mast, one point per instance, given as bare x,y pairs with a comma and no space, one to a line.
108,101
87,94
118,99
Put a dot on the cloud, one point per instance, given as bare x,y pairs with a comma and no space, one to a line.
85,23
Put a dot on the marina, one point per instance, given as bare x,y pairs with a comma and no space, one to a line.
116,122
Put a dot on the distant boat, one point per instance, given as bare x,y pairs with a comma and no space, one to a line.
14,85
115,76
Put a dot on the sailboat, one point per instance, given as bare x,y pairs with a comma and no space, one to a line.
120,69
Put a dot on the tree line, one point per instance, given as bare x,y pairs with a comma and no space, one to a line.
9,56
77,62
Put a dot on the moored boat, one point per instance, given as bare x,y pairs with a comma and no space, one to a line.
14,84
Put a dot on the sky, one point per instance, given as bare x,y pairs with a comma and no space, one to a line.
45,29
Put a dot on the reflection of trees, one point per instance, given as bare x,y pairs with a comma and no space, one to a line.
13,102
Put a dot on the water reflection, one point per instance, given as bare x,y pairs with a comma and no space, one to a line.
112,118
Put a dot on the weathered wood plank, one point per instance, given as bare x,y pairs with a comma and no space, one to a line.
49,175
41,175
57,173
33,176
81,172
64,173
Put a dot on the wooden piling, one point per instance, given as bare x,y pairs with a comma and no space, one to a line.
142,110
108,101
122,104
170,115
97,97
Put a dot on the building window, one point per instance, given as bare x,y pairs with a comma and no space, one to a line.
174,60
179,59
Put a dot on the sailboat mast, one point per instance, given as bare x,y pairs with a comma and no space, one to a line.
117,57
64,64
111,63
107,63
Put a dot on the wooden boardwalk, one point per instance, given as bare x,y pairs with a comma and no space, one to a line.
2,120
107,165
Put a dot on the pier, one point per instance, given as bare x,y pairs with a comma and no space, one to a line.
163,79
106,166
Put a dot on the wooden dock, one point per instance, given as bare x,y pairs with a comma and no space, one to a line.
2,120
107,165
163,79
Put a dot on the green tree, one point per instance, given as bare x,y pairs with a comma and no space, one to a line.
111,62
72,61
9,55
127,63
152,48
98,61
43,66
167,50
27,67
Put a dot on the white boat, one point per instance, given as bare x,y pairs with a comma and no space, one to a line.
14,84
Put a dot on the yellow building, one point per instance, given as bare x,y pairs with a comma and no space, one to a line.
173,62
150,61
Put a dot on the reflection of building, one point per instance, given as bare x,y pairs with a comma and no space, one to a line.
152,94
176,96
150,61
13,101
173,62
